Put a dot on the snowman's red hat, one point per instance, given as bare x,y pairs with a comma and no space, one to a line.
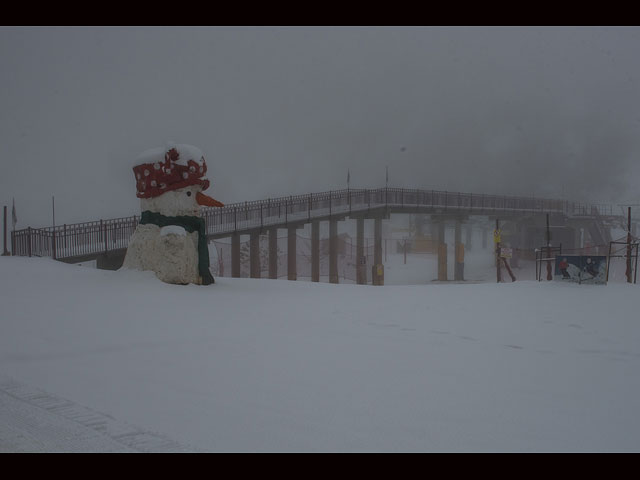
168,169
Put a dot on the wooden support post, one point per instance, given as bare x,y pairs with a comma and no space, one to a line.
254,255
404,248
458,271
361,266
506,264
442,262
292,273
378,267
377,240
608,262
442,253
273,253
235,255
315,251
333,251
459,264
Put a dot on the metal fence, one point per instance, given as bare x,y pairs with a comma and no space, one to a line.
74,240
102,236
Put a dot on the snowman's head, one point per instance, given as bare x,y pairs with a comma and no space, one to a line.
170,180
182,201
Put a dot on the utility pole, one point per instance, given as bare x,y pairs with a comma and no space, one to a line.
628,273
5,251
549,277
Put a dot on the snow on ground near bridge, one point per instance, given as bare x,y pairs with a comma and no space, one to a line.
273,365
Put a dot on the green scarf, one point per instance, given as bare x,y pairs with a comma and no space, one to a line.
190,224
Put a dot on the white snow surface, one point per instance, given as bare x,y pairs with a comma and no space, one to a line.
272,365
186,153
173,230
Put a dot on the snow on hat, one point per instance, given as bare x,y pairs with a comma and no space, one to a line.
163,169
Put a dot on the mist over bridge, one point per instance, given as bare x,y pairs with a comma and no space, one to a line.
106,240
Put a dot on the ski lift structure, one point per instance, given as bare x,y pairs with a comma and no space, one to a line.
546,254
628,250
630,247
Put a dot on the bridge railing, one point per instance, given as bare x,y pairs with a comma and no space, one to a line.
101,236
581,209
469,201
74,240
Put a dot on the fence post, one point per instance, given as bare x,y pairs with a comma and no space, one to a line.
29,240
53,243
103,227
260,214
235,219
309,207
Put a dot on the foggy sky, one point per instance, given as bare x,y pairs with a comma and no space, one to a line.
277,111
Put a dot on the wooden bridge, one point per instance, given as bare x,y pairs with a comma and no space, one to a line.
105,239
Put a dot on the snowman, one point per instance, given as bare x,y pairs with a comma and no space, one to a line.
171,238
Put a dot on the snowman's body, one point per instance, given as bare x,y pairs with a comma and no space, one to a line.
160,243
170,251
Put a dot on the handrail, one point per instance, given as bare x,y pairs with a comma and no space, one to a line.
103,235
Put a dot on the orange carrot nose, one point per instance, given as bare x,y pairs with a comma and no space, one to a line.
207,201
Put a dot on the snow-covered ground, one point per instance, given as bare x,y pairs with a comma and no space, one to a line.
118,361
